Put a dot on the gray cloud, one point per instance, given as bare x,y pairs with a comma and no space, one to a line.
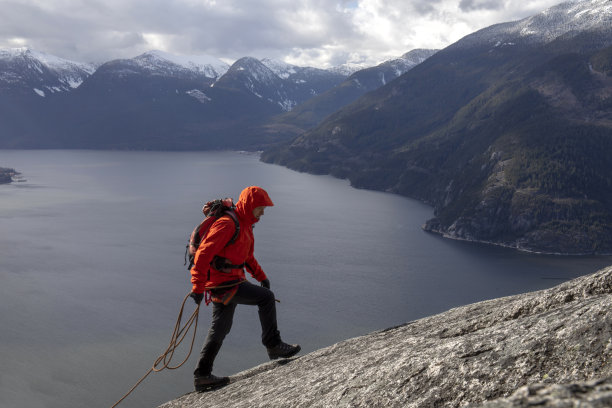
308,32
471,5
424,7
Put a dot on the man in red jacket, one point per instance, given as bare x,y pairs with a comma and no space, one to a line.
219,271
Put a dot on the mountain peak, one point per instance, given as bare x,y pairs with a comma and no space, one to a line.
418,55
206,65
255,70
50,61
567,18
406,62
30,70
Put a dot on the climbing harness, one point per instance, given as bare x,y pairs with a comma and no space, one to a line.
178,335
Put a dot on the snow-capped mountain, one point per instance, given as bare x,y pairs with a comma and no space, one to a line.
506,133
372,78
158,100
255,72
285,70
152,99
252,75
297,74
407,61
279,83
163,63
565,19
305,82
27,71
312,111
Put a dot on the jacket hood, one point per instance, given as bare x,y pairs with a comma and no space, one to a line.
251,198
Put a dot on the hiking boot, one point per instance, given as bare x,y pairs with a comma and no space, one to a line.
283,350
209,382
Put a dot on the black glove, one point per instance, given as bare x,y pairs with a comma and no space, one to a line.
265,283
197,297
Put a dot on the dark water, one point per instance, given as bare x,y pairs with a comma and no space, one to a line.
92,276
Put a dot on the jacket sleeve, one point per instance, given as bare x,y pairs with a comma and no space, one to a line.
218,236
253,266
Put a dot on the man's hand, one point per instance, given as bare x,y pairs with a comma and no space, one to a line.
197,297
265,283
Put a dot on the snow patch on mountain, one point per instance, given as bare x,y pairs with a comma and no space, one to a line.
60,64
416,56
374,77
264,82
280,68
401,65
163,63
199,95
348,68
408,61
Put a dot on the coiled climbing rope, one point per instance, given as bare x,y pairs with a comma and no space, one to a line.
178,335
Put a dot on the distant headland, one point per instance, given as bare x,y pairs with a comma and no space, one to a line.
7,175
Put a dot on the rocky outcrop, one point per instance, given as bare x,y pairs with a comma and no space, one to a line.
472,355
6,175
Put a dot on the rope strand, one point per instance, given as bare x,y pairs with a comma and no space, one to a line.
178,335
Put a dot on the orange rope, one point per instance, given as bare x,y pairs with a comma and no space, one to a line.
178,335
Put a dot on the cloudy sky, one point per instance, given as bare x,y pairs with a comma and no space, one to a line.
320,33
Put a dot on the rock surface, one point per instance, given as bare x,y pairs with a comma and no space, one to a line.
589,394
466,356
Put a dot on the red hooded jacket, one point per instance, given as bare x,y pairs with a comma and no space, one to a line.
203,275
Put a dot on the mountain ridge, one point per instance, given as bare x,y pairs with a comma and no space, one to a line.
152,101
507,142
313,111
50,73
568,17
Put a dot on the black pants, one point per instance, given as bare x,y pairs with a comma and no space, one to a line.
223,316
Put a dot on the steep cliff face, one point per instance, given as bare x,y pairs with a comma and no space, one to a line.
473,354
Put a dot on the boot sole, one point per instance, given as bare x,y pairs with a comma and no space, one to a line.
293,353
211,387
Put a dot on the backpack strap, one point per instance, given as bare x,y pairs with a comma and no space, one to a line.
234,218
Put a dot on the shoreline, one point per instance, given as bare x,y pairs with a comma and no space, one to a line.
509,246
443,233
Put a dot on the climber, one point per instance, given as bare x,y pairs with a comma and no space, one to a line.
218,275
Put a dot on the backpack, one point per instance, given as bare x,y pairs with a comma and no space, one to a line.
213,210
